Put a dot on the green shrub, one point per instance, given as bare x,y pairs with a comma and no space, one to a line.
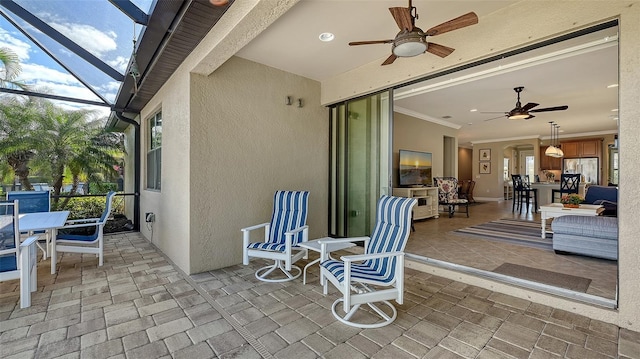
88,207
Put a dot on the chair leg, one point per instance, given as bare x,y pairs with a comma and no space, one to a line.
262,273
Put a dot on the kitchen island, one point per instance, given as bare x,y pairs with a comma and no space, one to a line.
545,194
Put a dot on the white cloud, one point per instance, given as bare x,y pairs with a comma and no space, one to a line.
93,40
16,45
120,63
34,72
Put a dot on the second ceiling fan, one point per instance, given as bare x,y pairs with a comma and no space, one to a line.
411,40
524,112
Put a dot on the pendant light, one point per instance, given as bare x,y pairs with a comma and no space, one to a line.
559,152
551,150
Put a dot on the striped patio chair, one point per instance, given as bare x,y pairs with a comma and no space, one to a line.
381,265
287,228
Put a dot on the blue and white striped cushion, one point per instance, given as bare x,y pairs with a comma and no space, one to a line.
393,223
289,212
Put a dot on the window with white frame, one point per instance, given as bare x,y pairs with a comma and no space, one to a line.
154,152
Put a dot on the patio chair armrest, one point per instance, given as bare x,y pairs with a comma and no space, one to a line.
364,257
324,254
83,220
29,241
82,225
248,229
296,230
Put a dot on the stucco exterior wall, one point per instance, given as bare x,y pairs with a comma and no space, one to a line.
246,143
170,231
411,133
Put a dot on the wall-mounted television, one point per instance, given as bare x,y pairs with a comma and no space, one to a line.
415,168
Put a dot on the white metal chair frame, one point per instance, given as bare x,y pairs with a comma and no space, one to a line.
95,246
356,292
290,209
26,262
282,260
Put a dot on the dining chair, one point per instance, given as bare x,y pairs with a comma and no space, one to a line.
569,183
523,194
288,228
17,260
92,242
32,202
377,276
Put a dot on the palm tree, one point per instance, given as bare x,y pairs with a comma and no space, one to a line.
10,69
75,142
18,143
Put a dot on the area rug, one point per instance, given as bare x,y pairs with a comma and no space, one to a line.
514,231
571,282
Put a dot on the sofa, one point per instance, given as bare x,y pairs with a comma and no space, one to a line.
607,196
594,236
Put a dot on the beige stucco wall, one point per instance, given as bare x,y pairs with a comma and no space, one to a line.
411,133
170,232
246,143
502,31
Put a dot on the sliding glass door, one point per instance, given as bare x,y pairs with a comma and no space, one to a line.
360,163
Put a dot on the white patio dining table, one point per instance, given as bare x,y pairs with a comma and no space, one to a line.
45,221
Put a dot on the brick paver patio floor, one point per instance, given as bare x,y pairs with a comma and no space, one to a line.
139,305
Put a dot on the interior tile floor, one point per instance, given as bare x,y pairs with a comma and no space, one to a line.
140,305
433,238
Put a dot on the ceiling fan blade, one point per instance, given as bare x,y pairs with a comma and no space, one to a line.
557,108
529,106
453,24
389,60
439,50
403,18
494,118
355,43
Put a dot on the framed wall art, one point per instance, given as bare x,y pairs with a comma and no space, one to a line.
485,167
485,154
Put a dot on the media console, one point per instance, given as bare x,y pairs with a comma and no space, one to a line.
427,200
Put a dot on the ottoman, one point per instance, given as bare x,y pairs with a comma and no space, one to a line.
593,236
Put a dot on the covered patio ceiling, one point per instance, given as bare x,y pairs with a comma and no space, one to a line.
70,55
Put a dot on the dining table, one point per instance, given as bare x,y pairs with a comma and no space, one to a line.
45,221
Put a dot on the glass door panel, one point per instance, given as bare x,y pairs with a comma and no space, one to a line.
360,163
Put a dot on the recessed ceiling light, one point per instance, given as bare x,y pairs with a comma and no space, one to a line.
612,86
470,123
473,110
614,110
326,37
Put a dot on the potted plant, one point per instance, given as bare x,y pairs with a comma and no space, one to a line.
572,200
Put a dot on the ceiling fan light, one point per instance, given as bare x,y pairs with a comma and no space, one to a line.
409,44
519,116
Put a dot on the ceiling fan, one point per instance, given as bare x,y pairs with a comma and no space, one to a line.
412,41
524,112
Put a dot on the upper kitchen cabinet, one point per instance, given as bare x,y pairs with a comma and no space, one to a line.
582,148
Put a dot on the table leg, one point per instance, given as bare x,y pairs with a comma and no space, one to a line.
53,254
304,270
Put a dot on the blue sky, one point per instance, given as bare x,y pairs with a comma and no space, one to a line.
96,25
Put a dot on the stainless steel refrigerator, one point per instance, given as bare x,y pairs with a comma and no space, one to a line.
587,167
